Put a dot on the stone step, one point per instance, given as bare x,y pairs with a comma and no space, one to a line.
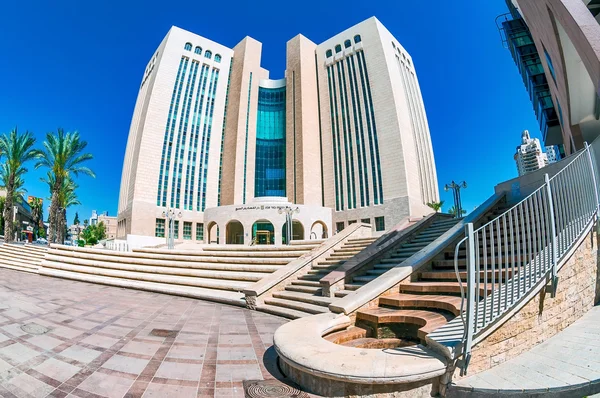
304,297
230,285
377,271
91,259
418,245
304,289
297,305
426,321
312,277
21,257
364,278
440,302
393,261
342,293
348,250
17,266
306,283
360,245
340,256
445,223
352,333
462,262
222,296
224,253
282,311
328,265
451,275
437,288
353,286
425,239
21,251
366,241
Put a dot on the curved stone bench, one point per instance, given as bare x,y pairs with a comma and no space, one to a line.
328,369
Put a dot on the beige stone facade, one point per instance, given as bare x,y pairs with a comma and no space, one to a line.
356,137
568,31
110,223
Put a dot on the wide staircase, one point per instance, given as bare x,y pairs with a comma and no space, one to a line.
21,257
303,296
217,272
398,256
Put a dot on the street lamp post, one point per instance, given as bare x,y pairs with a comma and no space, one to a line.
456,192
289,212
170,215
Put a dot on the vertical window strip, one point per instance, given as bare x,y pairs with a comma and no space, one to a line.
369,130
203,142
320,135
166,138
348,139
196,132
335,144
171,136
246,144
360,126
419,136
409,103
430,167
205,166
176,180
376,141
339,141
223,134
191,158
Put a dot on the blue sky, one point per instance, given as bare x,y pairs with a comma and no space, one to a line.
78,65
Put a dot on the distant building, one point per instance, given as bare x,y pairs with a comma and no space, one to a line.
94,218
110,223
553,154
555,45
529,156
343,137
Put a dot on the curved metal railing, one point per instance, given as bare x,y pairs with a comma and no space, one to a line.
511,255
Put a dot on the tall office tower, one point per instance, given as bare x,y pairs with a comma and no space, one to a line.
529,156
555,44
343,137
553,154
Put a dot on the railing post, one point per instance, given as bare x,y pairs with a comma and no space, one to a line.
553,237
470,322
589,152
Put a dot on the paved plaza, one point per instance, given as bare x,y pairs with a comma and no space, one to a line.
61,338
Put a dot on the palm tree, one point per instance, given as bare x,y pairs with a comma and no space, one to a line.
453,211
63,155
437,206
37,214
18,150
66,198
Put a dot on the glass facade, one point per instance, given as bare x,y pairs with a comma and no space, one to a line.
187,230
526,57
379,224
270,143
199,231
159,230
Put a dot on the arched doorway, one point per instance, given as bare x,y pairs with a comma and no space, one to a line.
234,233
297,231
213,233
263,233
318,230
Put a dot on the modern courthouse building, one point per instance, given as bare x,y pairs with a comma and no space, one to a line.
556,45
342,138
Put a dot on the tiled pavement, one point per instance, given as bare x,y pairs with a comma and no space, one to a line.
99,342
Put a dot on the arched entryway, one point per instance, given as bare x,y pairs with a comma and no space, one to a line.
263,233
213,233
297,231
318,230
234,233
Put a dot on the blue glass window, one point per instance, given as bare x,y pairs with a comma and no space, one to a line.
270,143
560,116
550,65
338,48
198,50
347,43
357,39
208,54
328,53
217,58
188,46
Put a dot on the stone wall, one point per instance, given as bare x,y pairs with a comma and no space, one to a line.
543,316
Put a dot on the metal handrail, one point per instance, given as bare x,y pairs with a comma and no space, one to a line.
511,255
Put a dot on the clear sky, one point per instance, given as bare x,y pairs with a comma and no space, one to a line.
78,65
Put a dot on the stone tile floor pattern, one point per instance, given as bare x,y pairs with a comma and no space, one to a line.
99,342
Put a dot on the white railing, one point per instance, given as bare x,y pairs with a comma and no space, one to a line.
512,255
118,246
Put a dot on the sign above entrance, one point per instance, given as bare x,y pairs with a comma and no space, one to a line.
263,207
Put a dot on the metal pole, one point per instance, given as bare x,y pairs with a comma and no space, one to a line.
589,152
471,294
553,237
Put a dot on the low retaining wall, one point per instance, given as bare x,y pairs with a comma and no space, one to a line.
543,316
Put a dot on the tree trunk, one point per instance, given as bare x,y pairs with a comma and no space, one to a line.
8,213
54,208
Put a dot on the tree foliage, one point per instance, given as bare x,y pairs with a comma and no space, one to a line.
94,233
453,211
437,206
